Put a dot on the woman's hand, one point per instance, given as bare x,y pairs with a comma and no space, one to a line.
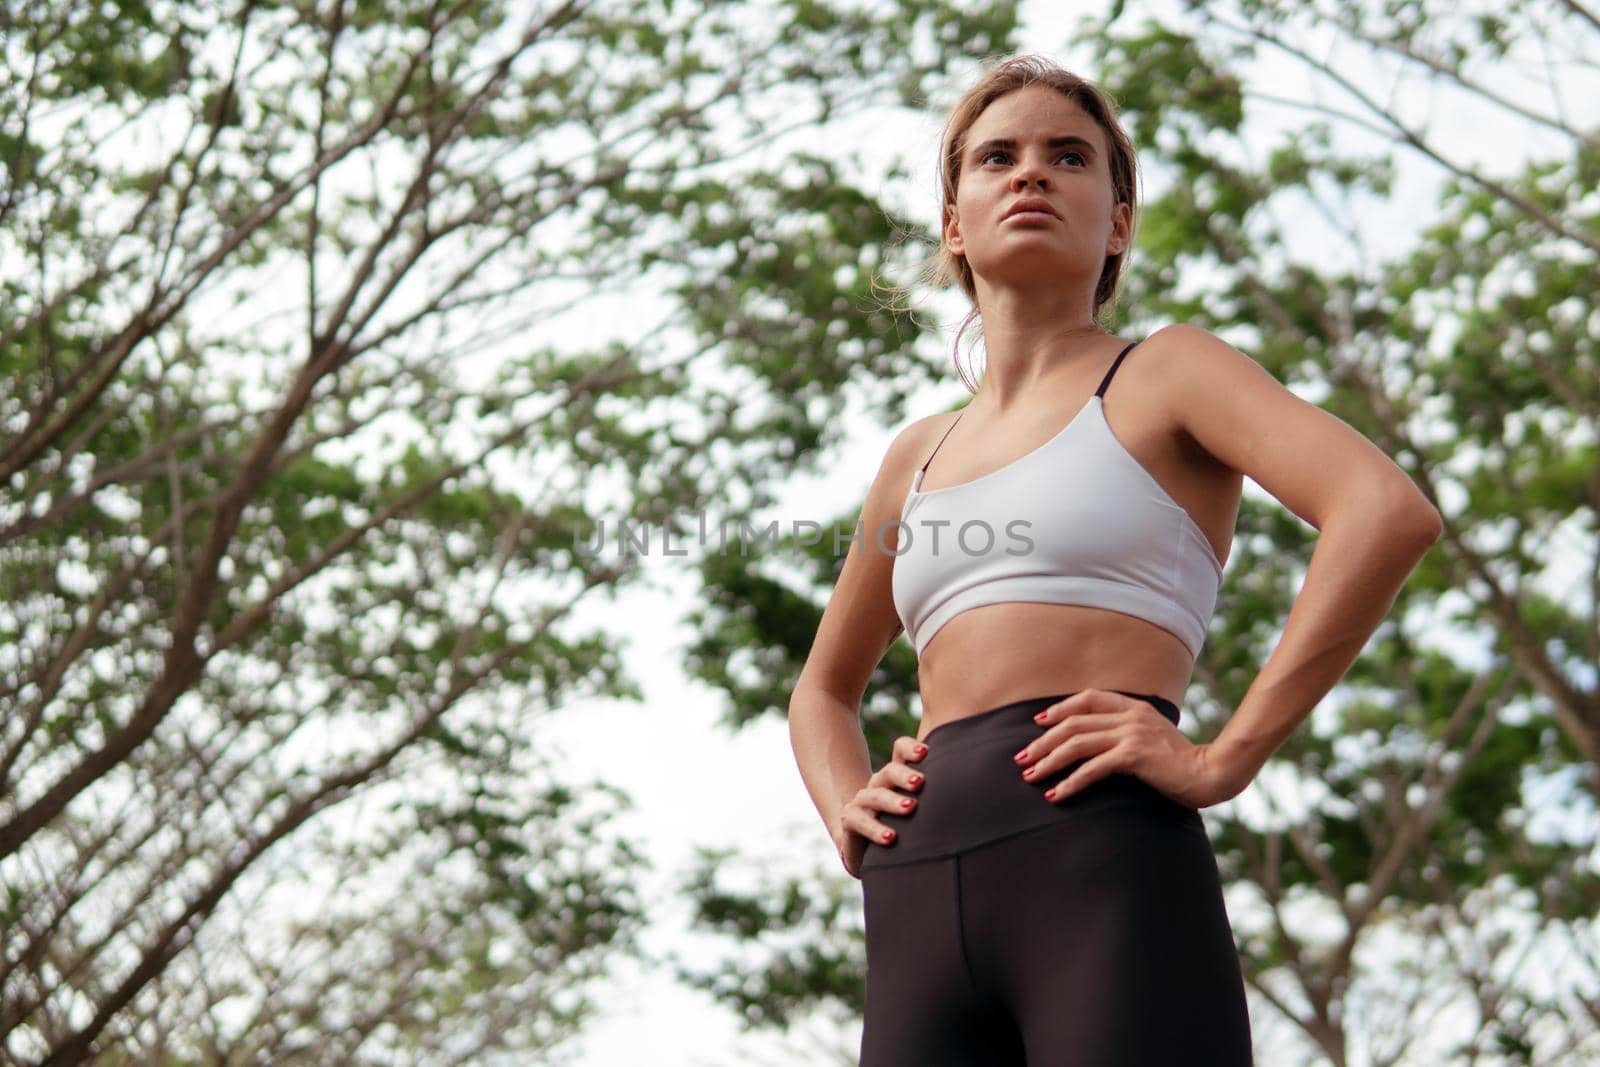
1117,733
857,821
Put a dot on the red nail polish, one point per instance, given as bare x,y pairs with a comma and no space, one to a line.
916,779
1050,794
888,835
1040,717
906,803
922,750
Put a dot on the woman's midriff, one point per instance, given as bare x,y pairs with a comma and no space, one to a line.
1002,653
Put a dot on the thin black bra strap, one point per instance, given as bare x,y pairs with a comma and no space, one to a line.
1115,364
941,442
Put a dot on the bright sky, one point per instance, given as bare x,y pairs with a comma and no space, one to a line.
693,783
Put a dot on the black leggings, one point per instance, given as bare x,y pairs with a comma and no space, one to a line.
1004,930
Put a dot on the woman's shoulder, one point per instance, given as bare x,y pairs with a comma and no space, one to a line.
913,443
1193,352
1182,376
927,426
919,437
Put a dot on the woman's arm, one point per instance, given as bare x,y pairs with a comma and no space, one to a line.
831,750
857,627
1374,526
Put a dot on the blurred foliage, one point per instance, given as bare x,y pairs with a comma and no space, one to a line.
330,326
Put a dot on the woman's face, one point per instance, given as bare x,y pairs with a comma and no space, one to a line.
1048,149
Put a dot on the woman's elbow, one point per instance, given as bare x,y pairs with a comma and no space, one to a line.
1390,509
1411,516
1432,523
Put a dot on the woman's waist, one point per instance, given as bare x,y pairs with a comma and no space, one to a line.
954,817
949,711
973,791
971,740
999,654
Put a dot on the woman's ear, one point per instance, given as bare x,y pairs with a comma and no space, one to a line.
952,231
1121,230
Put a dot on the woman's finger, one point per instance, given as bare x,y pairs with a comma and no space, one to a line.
859,814
871,800
880,793
890,801
859,820
1079,746
1108,762
1072,726
1059,734
908,750
1085,701
896,776
1094,702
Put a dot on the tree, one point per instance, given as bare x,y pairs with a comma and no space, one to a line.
297,449
1403,859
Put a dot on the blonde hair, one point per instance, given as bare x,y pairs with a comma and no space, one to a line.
945,267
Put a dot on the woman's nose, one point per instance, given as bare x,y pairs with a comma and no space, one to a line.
1028,173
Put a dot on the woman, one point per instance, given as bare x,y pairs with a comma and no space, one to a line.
1039,888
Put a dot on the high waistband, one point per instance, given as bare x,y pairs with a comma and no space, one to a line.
1037,704
974,794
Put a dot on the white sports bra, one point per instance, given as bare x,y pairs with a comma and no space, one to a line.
1076,521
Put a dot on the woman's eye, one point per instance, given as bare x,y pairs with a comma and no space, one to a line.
997,152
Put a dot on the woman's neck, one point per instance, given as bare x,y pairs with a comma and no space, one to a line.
1020,361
